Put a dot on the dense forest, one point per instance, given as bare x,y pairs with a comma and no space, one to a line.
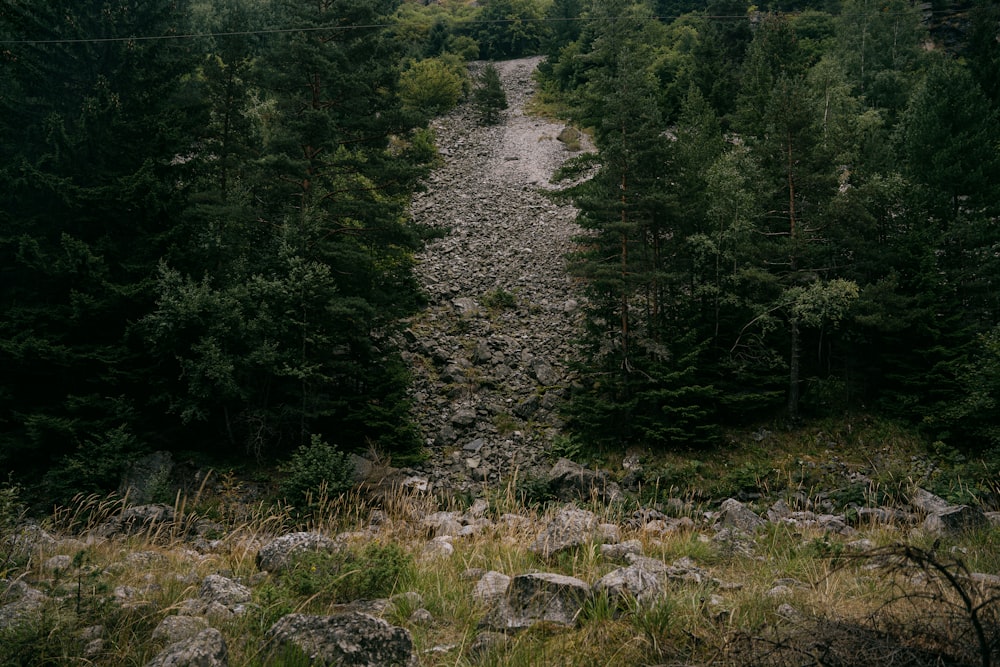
204,241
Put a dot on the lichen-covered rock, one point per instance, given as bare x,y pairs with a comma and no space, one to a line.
621,550
570,527
630,582
20,604
491,587
734,514
571,481
206,649
536,597
173,629
279,554
216,588
954,520
147,477
356,639
137,519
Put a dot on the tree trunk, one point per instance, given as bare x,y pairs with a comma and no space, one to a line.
793,372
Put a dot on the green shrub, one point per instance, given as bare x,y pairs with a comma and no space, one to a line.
376,571
499,299
315,469
431,86
95,467
489,95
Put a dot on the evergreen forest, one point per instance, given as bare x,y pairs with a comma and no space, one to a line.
205,244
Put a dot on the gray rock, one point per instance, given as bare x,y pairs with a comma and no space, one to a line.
946,519
955,520
148,478
491,586
216,588
137,519
206,649
570,527
355,639
173,629
532,598
630,582
57,563
279,554
620,550
571,481
734,514
21,604
928,503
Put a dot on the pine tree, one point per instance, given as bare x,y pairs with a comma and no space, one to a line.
489,95
96,132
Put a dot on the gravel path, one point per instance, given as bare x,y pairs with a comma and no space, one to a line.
490,352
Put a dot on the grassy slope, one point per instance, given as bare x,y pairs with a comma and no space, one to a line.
834,593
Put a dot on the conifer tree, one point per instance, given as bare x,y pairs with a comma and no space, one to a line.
95,133
489,95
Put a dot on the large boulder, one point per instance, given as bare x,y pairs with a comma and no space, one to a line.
492,586
945,519
632,582
148,478
138,519
355,640
279,554
536,597
734,514
20,604
174,629
571,481
955,520
206,649
570,527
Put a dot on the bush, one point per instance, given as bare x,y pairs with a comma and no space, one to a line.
314,469
431,86
489,95
345,576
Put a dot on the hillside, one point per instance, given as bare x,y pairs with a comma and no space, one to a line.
842,542
490,352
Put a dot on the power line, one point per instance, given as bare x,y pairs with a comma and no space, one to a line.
379,26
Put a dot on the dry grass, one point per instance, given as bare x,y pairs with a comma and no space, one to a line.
790,596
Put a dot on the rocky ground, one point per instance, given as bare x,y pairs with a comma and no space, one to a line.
489,353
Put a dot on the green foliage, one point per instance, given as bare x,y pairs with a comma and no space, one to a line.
489,95
432,86
97,465
375,571
510,29
499,299
316,469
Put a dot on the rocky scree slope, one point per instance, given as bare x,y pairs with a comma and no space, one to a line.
489,354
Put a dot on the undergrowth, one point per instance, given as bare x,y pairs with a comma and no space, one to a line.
787,594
